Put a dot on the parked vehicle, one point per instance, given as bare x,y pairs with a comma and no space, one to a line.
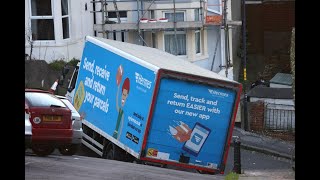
142,104
51,121
27,127
76,127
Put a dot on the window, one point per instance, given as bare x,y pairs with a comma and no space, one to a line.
65,18
112,15
152,14
215,6
197,41
196,15
170,16
73,80
114,35
175,46
117,35
70,106
122,36
154,40
42,25
43,18
43,99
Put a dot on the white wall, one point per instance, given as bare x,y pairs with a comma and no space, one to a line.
81,24
216,45
214,39
203,63
50,53
216,34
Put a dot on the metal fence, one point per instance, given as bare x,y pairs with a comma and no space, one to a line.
279,117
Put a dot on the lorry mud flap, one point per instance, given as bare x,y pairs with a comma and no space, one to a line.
184,159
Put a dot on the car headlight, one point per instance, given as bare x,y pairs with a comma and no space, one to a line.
37,120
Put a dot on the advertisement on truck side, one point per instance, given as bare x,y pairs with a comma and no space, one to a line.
190,123
114,94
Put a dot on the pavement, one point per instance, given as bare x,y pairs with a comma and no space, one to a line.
264,144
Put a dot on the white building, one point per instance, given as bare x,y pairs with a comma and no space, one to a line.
56,28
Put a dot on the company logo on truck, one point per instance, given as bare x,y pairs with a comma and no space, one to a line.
143,81
217,93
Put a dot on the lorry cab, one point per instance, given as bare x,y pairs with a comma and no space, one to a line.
72,83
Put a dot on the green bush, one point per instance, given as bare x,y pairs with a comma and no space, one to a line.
232,176
73,62
57,65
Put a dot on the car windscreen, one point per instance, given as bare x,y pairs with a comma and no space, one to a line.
70,106
43,100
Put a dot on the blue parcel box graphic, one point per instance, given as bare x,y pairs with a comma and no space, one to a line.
196,138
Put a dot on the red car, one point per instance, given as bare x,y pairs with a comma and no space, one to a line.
51,121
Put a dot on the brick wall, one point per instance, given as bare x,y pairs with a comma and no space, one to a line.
254,14
271,22
269,27
256,122
256,115
278,16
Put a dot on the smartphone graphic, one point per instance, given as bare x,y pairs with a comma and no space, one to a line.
197,139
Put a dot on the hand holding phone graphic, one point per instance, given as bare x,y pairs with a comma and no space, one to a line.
197,139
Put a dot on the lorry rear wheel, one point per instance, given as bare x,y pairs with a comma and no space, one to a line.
113,152
110,155
107,152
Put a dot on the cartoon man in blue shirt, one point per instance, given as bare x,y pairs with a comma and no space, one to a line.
124,96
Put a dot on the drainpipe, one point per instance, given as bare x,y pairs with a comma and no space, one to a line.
226,31
175,26
143,34
103,19
244,44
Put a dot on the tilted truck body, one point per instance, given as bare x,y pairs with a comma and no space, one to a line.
149,105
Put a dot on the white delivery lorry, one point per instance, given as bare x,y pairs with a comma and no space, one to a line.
143,104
